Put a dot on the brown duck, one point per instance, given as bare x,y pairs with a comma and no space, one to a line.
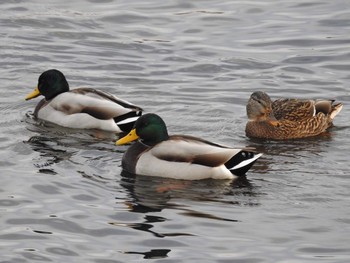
288,118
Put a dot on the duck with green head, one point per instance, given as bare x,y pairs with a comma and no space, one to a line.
83,108
288,118
180,156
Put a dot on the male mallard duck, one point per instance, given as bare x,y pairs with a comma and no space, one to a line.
180,156
288,118
83,108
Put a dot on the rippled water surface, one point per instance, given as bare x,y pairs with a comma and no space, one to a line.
63,196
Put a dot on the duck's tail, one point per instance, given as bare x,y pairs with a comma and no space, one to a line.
126,122
336,108
328,108
242,162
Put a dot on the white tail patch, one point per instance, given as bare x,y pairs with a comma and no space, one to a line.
128,120
246,162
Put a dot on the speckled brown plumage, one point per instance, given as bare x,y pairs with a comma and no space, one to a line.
288,118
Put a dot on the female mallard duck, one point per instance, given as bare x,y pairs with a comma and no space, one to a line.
288,118
180,156
83,108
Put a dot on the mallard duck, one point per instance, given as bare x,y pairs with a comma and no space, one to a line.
83,108
180,156
288,118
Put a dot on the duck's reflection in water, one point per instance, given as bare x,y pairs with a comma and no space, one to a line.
152,254
50,153
153,194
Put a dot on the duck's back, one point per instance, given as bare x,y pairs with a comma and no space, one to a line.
293,109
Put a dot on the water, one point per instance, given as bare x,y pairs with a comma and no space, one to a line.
63,196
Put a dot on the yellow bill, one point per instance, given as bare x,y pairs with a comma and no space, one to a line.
132,136
34,94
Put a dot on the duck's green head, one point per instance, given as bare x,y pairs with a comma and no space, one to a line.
150,128
259,106
51,83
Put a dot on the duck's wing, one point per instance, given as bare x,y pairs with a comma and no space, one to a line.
293,109
96,103
180,148
121,111
99,94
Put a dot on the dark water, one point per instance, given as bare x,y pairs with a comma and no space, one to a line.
63,197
